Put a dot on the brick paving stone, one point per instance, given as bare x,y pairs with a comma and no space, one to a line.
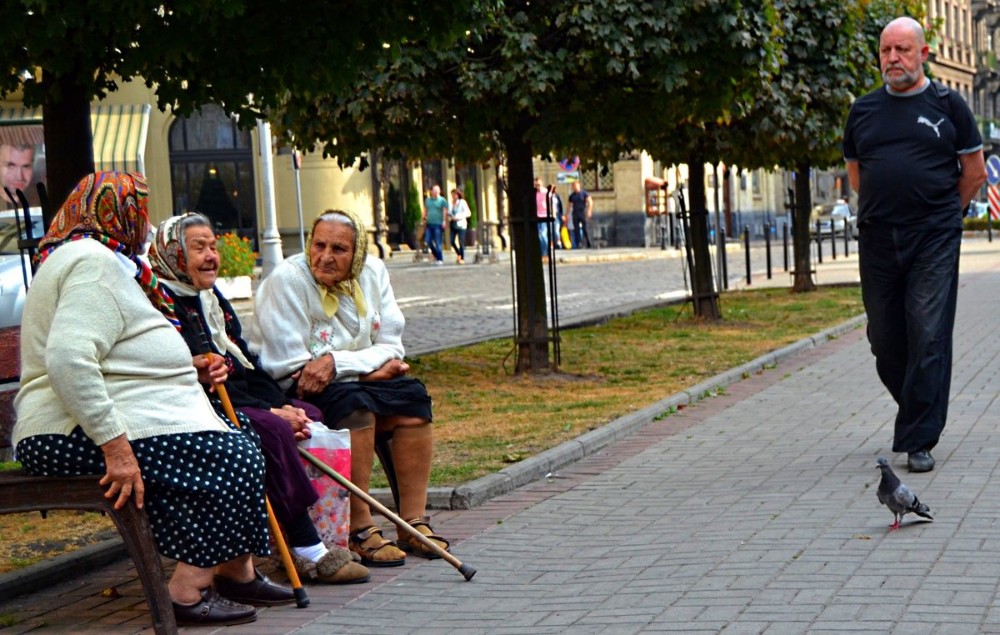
752,511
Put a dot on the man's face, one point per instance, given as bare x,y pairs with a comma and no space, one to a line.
202,257
538,184
576,186
17,165
901,58
331,252
435,191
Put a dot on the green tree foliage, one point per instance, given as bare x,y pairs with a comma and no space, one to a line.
245,55
559,77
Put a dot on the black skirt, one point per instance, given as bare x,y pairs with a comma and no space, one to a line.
400,396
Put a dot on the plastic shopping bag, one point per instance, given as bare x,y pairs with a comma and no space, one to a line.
567,243
332,512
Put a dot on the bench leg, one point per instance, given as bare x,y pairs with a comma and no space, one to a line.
133,526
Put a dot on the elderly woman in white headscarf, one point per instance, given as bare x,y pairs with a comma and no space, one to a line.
183,254
327,327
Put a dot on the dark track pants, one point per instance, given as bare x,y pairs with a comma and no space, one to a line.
909,283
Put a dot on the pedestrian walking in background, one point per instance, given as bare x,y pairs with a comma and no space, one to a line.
542,212
459,215
435,209
582,206
915,156
554,203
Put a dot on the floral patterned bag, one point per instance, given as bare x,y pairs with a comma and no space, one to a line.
332,512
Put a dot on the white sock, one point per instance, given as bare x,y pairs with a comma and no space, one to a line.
312,553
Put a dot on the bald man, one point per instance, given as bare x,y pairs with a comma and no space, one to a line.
915,157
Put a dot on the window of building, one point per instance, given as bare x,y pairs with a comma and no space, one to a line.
600,179
211,171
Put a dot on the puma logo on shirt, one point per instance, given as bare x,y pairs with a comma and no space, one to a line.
927,122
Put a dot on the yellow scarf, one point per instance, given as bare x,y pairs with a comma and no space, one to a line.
330,296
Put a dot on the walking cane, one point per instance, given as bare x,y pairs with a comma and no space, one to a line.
466,570
301,598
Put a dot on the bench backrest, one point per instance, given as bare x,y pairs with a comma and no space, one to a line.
10,370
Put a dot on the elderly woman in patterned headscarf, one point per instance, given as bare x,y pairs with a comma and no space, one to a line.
183,255
107,387
327,327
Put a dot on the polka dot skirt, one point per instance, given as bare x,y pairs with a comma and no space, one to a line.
204,491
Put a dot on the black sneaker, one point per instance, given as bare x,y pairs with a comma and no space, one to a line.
258,592
921,461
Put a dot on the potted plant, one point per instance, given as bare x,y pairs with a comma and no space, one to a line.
414,213
236,263
470,198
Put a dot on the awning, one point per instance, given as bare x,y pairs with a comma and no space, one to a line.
119,133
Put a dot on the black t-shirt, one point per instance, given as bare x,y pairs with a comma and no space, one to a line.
907,147
578,203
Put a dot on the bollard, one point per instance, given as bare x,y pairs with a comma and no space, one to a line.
847,239
833,240
989,227
819,243
725,263
746,250
784,239
767,247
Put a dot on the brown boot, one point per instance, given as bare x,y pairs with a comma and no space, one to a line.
336,567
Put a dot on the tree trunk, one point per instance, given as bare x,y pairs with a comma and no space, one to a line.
69,142
532,321
803,281
705,296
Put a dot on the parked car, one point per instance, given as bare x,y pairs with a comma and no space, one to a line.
839,215
15,268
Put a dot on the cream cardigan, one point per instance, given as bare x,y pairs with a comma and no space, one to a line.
290,328
96,353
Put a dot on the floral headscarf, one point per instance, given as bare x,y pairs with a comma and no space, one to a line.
112,208
169,259
348,287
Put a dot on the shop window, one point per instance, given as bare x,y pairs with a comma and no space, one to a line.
600,179
211,171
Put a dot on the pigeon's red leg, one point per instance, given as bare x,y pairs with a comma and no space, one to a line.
894,525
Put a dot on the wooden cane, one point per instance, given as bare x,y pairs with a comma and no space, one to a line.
466,570
301,597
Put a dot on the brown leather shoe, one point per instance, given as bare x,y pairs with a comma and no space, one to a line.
336,567
213,610
259,592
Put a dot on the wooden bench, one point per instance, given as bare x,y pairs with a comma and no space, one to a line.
20,492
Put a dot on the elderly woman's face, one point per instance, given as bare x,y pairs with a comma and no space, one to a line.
202,256
331,252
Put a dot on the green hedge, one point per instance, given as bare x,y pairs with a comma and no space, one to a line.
978,224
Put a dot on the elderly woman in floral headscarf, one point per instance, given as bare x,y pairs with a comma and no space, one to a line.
183,255
107,387
327,327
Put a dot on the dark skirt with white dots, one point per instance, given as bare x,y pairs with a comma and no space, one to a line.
204,490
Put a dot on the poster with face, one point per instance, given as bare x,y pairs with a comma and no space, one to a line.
22,163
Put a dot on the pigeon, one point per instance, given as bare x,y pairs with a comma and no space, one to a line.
897,496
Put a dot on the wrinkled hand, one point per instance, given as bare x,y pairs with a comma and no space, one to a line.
123,475
315,376
389,370
296,419
211,372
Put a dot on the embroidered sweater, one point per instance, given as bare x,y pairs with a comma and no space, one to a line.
96,353
290,327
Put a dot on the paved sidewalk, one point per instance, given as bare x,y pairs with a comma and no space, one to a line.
752,511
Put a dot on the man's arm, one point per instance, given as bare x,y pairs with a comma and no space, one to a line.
973,176
590,205
854,175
